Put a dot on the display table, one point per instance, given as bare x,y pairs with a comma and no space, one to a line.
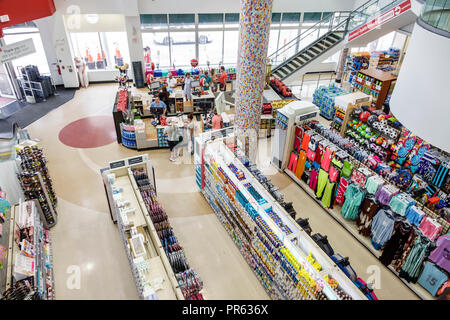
344,106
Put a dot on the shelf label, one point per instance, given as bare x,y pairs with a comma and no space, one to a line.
135,160
117,164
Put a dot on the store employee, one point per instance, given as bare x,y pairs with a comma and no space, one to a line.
172,83
159,104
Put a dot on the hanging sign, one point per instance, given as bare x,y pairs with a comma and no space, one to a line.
16,50
378,21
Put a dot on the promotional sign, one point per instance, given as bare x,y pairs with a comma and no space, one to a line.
383,18
16,50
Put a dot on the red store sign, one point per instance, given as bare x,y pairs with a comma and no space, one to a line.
385,17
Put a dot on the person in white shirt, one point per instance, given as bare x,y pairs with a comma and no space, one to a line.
172,83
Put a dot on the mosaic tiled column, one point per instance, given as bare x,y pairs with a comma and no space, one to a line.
254,27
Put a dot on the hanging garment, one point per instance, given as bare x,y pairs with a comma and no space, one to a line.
411,268
369,209
319,154
297,143
313,179
333,174
301,164
430,228
347,169
414,215
326,159
382,227
440,175
359,178
310,155
305,142
394,247
293,161
353,199
373,183
432,278
327,198
321,183
384,195
441,255
400,203
397,262
343,184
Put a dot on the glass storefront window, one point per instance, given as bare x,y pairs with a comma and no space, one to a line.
210,20
157,44
286,36
181,21
210,47
183,48
290,19
231,44
115,45
273,41
153,21
231,20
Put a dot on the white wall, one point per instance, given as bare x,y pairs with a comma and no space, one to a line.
133,28
104,23
125,7
45,26
421,96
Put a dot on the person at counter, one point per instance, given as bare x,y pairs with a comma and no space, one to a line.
172,83
205,81
164,95
158,107
188,87
223,79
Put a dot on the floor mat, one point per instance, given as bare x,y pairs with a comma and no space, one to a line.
23,114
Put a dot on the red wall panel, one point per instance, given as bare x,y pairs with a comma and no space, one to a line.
20,11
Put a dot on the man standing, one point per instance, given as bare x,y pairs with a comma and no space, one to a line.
172,83
223,79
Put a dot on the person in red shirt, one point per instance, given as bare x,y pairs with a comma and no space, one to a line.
223,79
217,121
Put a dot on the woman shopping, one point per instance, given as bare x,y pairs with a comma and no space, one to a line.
188,87
173,137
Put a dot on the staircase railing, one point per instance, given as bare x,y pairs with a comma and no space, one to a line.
337,21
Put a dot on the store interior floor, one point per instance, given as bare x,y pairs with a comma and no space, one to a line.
87,244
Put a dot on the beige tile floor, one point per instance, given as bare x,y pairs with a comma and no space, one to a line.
85,238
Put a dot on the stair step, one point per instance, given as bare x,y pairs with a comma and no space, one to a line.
315,50
335,37
296,63
280,74
310,53
300,59
288,67
318,48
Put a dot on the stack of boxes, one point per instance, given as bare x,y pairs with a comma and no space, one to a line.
324,97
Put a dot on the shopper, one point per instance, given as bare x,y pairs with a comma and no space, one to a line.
213,80
159,104
206,82
223,79
164,95
82,72
172,83
217,121
171,131
190,126
188,87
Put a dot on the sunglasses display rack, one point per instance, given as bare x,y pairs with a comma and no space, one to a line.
152,248
30,256
35,180
188,280
274,246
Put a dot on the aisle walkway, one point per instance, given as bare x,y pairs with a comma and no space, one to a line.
85,239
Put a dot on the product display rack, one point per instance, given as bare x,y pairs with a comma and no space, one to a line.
351,226
35,180
275,247
31,257
133,198
376,83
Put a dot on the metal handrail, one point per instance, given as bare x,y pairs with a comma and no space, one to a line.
358,12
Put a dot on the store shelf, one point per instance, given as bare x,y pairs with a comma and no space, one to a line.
350,226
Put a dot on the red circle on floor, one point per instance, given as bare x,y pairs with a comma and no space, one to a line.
91,132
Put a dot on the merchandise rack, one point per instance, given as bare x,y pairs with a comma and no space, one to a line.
155,256
252,222
351,228
43,276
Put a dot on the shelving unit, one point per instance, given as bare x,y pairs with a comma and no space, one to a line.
275,247
376,83
33,257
